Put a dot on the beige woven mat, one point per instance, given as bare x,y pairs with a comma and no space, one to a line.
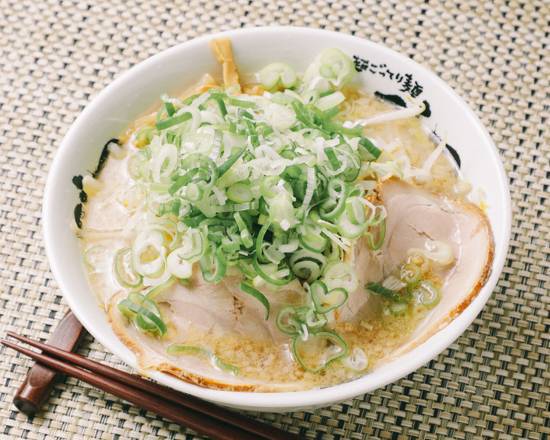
492,383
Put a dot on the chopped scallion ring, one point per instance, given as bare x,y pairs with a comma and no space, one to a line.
268,272
325,300
247,288
276,74
213,265
307,355
123,269
194,350
144,313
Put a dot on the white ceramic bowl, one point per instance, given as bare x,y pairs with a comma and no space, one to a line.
137,90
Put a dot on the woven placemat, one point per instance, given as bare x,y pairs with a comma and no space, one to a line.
493,382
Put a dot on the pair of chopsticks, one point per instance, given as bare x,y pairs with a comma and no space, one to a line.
203,417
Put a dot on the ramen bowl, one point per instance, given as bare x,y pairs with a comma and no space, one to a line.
385,72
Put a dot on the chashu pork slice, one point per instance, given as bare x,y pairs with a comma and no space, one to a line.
203,309
414,217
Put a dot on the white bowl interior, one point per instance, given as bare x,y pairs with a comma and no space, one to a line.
171,71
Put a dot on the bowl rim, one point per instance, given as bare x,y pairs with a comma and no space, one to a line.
426,351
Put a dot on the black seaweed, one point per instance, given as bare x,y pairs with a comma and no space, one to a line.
103,156
77,181
451,150
78,215
395,99
427,111
455,155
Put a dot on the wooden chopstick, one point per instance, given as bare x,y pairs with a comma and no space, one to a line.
39,380
175,408
199,422
220,413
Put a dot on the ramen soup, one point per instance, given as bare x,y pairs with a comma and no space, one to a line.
284,232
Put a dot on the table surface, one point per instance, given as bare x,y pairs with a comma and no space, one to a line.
493,382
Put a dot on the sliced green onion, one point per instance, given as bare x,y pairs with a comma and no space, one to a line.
314,320
178,266
223,168
333,127
148,254
375,235
237,207
213,265
330,101
221,104
148,321
268,186
340,274
245,233
357,360
231,244
170,108
248,117
241,103
386,293
128,308
331,156
260,243
290,319
335,204
410,273
144,313
276,74
311,238
398,308
123,270
247,288
326,300
246,267
239,192
194,350
367,150
193,245
272,253
331,69
319,350
189,100
254,191
269,276
355,210
197,169
164,163
377,213
353,164
348,229
427,294
173,120
336,66
302,114
307,265
281,209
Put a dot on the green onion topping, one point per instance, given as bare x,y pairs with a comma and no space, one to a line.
266,187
